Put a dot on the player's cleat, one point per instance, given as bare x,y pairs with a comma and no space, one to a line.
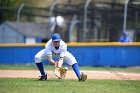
83,77
43,78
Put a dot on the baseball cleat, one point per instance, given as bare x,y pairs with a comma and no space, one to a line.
43,78
83,77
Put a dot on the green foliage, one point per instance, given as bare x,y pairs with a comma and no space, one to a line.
18,85
7,9
9,3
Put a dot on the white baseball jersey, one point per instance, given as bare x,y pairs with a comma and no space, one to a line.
50,50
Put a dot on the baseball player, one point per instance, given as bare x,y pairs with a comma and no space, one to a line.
57,47
125,38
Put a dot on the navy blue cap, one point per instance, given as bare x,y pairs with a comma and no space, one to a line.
125,33
56,37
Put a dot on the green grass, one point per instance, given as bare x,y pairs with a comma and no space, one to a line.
24,85
50,67
123,69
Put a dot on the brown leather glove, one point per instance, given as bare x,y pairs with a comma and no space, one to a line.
60,72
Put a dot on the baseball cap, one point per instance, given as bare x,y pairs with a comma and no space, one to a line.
125,33
56,37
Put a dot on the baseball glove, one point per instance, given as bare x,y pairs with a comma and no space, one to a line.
60,72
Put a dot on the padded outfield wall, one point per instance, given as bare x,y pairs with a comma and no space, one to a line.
87,54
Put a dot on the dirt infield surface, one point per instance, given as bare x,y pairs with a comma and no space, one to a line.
71,75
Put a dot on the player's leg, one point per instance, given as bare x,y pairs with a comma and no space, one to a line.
38,60
70,59
76,70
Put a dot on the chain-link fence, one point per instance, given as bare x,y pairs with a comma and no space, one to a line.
87,20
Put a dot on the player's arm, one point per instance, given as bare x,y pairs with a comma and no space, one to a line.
59,63
51,60
61,57
49,53
59,71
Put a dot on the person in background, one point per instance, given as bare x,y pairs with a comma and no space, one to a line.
125,38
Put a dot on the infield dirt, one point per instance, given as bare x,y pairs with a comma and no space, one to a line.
71,75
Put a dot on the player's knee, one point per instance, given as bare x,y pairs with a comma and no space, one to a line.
37,59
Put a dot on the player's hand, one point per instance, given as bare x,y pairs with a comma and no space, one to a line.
56,64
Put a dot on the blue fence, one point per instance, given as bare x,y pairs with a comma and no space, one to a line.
93,54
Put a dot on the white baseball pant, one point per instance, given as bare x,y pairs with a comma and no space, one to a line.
68,58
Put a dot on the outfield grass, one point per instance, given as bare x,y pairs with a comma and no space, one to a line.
33,67
23,85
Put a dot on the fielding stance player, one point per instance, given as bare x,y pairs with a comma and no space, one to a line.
57,47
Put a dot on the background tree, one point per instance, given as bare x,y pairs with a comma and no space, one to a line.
7,9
